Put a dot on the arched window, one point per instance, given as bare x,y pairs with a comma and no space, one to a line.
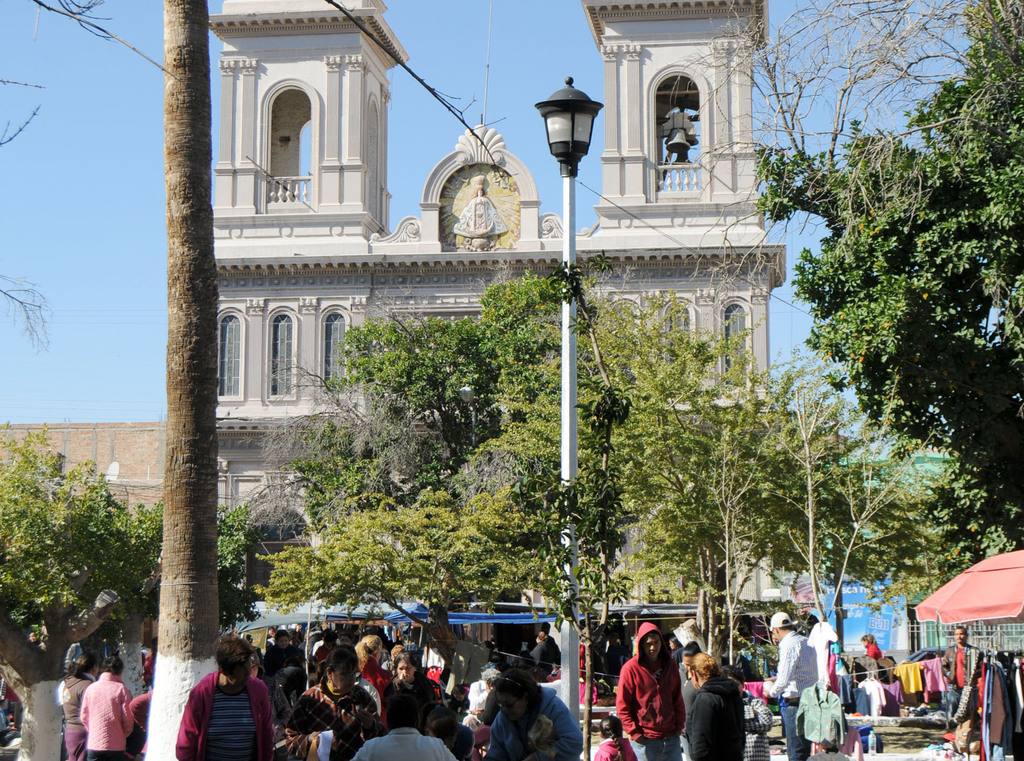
290,150
677,320
735,323
230,356
282,356
334,334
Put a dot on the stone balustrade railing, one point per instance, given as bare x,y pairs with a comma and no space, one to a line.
679,178
288,190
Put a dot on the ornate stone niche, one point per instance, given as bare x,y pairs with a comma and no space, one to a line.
480,210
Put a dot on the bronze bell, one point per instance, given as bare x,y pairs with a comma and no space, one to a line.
679,141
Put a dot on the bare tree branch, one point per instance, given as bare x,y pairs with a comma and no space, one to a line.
81,14
25,304
20,84
7,136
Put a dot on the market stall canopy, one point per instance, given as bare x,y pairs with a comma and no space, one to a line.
317,612
991,591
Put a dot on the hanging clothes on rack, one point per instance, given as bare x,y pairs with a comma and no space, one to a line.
876,695
934,679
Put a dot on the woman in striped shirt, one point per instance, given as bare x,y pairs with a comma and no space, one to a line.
227,716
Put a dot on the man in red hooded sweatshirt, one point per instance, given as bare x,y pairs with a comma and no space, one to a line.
650,699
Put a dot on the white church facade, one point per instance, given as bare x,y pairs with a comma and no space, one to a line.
305,245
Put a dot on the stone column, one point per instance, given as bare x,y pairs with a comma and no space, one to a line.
352,134
249,190
254,356
330,171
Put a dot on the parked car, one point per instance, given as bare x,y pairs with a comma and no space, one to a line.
924,655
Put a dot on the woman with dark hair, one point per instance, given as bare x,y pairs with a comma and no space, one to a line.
871,648
82,674
532,723
715,725
410,680
106,714
227,715
336,711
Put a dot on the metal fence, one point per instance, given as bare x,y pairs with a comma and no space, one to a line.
1002,637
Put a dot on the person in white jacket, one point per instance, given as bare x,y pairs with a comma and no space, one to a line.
403,740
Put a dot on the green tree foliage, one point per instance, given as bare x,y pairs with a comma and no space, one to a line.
236,538
702,469
398,424
68,552
437,551
917,293
858,492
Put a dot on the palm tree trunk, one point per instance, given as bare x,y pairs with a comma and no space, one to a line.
188,592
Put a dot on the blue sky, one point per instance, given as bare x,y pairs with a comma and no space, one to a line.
83,197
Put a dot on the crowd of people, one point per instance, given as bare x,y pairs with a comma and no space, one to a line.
360,708
370,699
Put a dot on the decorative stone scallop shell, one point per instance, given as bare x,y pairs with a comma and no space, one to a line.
470,150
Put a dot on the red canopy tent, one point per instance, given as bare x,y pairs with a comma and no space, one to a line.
991,591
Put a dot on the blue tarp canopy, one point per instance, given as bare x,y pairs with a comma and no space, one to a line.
475,617
268,617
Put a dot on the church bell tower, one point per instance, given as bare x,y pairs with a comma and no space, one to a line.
303,122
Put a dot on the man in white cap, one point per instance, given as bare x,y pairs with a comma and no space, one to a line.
797,671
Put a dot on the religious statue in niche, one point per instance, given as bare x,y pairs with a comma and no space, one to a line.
480,210
479,222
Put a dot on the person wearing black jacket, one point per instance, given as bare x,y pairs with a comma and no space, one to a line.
714,726
545,654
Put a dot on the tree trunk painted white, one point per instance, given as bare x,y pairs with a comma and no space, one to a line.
171,685
40,723
131,653
188,589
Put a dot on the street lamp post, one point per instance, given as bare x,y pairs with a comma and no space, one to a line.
466,394
569,121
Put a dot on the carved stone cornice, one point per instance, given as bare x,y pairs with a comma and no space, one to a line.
229,66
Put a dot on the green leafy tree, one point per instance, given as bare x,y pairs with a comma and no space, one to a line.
236,538
396,422
69,551
856,491
701,463
916,292
436,551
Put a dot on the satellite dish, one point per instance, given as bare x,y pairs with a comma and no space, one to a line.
113,470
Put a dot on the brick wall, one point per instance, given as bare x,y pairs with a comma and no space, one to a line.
137,448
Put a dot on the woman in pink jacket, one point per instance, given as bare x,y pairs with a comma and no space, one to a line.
106,713
227,716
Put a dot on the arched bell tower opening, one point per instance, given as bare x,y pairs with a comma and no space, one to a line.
291,114
677,135
677,117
